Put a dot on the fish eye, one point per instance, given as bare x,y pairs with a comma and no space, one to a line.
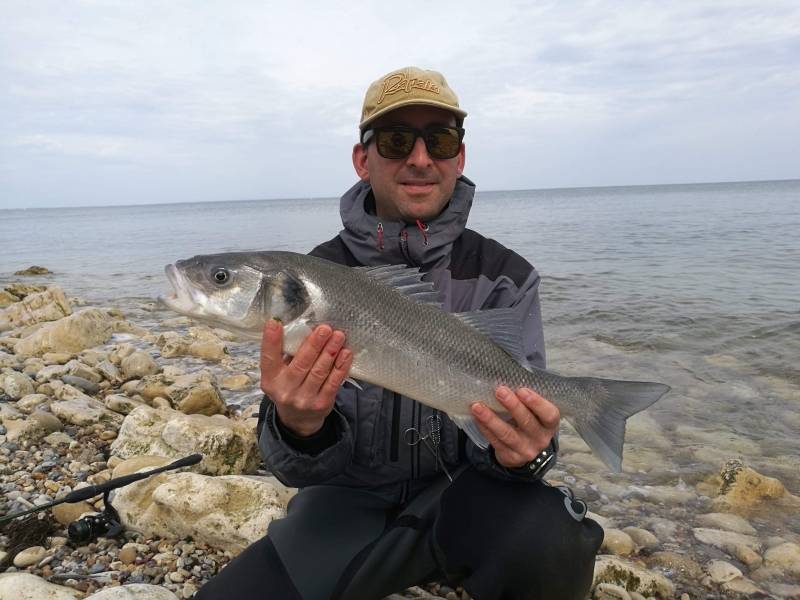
221,275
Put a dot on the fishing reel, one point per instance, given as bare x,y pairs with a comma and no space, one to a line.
107,523
90,527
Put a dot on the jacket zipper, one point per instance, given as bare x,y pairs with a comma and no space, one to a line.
404,247
394,453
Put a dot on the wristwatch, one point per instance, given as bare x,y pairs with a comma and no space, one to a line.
541,462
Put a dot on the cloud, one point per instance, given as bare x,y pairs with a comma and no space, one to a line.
257,92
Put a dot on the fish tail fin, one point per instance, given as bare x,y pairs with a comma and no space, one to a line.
610,404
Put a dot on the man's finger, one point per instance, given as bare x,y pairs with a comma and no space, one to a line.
271,349
522,415
500,430
504,454
545,411
344,360
307,355
321,368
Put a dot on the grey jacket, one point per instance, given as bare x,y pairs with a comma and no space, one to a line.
366,441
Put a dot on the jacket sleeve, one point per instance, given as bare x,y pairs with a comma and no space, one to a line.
526,300
302,462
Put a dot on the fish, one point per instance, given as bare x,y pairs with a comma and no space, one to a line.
401,338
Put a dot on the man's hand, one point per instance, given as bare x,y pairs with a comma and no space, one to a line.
304,387
535,422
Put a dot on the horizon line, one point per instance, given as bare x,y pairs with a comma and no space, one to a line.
544,189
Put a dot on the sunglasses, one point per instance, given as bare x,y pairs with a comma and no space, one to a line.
397,141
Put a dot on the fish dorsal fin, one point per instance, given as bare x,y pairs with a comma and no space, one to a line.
502,326
407,281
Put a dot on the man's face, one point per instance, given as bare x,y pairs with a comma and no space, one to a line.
414,187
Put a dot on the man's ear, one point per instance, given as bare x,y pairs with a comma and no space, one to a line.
462,159
360,161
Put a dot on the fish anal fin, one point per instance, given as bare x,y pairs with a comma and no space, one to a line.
467,425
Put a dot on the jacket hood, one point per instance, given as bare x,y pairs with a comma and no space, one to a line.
374,241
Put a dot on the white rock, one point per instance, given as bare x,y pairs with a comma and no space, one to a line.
84,411
742,585
49,305
109,371
27,430
727,521
138,365
84,329
229,447
609,569
229,512
610,591
784,556
24,586
59,437
120,403
726,540
617,542
16,385
721,571
83,371
133,591
237,382
31,402
664,494
29,556
641,537
50,373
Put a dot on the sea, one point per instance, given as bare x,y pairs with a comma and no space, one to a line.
696,286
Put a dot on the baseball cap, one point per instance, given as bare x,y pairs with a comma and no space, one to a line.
405,87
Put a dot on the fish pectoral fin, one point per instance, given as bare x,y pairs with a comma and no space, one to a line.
468,425
353,382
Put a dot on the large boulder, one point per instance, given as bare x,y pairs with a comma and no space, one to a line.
133,591
228,512
631,577
49,305
228,447
201,342
84,329
82,410
25,586
7,299
742,490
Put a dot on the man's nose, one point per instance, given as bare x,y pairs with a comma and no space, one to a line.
419,156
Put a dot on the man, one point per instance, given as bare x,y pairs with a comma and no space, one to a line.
377,511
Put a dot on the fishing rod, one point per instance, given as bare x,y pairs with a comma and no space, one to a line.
107,522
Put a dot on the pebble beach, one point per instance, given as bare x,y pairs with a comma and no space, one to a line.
89,393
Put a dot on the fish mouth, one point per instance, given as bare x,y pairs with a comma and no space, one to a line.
183,298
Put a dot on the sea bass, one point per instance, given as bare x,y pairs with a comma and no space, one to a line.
400,337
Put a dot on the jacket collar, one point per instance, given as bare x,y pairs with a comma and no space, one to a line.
373,241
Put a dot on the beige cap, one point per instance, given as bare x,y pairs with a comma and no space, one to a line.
407,86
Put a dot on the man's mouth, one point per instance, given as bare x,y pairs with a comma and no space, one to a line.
417,187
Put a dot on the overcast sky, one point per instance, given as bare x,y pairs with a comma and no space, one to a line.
107,102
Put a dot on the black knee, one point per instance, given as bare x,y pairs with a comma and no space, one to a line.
257,573
516,540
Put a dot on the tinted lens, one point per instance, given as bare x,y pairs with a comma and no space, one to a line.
395,143
443,143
